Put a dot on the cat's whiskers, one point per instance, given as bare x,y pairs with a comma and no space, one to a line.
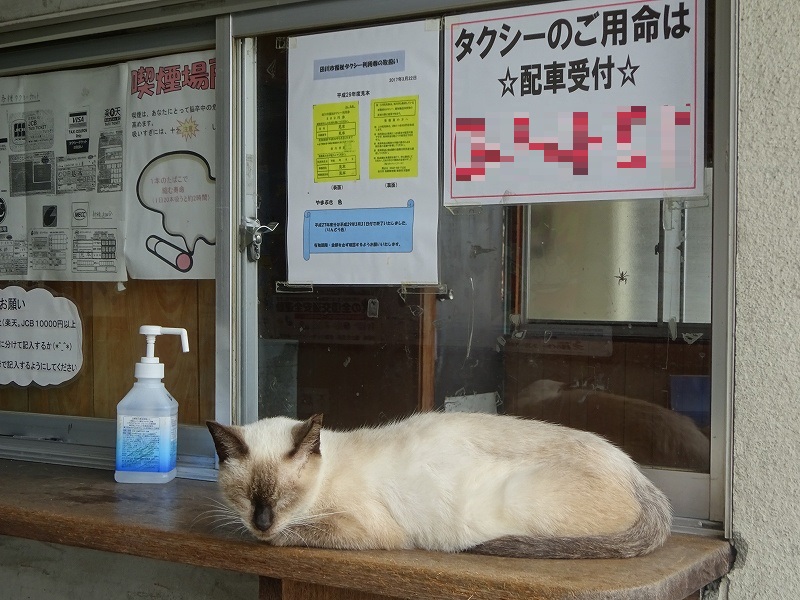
310,518
294,533
209,515
212,513
220,516
310,522
226,524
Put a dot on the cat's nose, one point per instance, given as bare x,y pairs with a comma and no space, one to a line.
262,516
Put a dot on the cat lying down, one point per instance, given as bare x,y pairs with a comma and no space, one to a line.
453,482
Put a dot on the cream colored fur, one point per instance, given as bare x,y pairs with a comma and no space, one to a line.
439,481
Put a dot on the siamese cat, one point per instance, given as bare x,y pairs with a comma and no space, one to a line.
451,482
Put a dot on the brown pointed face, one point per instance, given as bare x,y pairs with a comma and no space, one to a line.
267,473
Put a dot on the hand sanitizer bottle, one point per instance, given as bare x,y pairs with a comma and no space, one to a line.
147,419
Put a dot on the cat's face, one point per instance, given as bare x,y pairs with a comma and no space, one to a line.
267,472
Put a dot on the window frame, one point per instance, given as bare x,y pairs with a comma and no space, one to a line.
709,507
91,442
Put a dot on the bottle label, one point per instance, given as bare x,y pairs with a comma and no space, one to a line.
146,444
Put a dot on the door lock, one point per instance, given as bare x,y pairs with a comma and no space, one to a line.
251,235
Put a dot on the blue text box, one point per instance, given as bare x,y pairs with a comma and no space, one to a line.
358,230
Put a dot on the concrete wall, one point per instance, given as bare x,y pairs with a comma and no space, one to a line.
37,571
766,484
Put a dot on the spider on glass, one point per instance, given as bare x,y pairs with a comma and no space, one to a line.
622,277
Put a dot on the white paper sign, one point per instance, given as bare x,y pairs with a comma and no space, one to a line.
109,167
171,137
363,156
575,101
61,196
41,337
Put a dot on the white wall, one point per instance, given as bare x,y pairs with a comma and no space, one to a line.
766,518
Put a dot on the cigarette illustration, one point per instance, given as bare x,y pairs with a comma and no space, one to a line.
179,187
174,256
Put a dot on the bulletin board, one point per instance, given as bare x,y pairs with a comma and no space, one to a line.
106,172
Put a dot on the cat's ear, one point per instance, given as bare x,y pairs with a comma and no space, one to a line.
305,436
228,441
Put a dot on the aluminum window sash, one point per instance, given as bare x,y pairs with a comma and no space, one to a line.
227,375
72,54
248,200
722,269
296,17
90,442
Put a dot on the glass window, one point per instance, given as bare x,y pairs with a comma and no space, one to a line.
353,353
593,314
111,315
604,344
63,233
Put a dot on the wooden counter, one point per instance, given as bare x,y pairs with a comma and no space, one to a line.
87,508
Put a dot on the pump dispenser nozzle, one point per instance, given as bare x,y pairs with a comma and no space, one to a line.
149,366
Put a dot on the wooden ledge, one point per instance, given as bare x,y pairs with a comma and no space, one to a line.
87,508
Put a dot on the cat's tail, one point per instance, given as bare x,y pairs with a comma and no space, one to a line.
649,531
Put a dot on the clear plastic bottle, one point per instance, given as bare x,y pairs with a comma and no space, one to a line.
147,419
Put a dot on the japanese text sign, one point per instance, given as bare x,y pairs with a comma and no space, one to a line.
41,337
107,171
575,101
362,169
171,137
